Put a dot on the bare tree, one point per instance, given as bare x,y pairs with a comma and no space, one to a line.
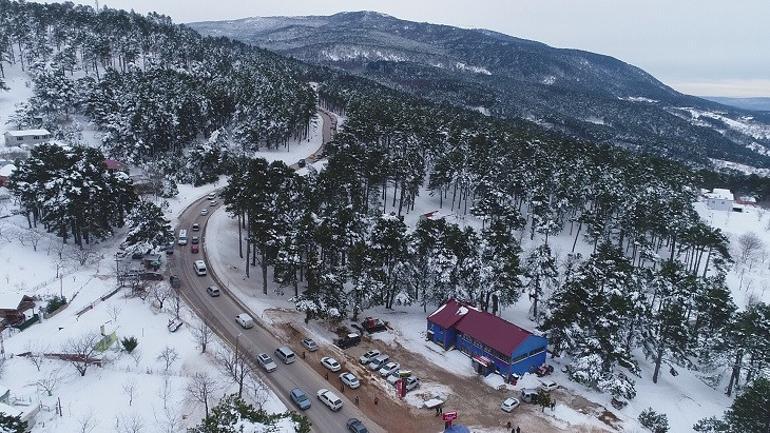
168,420
36,354
235,366
80,351
176,303
30,236
168,356
131,424
165,391
160,293
83,256
87,423
129,388
136,355
202,334
50,381
202,388
749,245
257,391
114,312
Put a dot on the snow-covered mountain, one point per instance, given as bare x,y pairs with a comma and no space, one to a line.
581,93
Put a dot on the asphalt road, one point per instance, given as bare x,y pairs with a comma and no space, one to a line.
220,314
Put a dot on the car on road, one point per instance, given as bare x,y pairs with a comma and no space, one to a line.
309,344
300,398
195,240
329,399
175,281
368,356
266,362
301,163
204,212
388,368
285,354
196,227
331,364
182,240
194,249
509,404
200,267
356,426
213,203
213,291
212,196
245,321
548,385
350,379
377,362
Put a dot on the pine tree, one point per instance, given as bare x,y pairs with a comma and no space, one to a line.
540,269
749,413
149,228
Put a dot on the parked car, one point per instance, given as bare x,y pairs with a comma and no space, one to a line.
300,398
548,385
309,344
368,356
151,276
169,249
377,362
509,404
329,399
213,291
529,395
388,368
350,379
194,249
196,227
301,163
356,426
412,382
204,212
285,354
175,281
266,362
393,377
348,341
245,321
331,364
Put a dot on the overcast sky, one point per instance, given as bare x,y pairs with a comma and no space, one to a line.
701,47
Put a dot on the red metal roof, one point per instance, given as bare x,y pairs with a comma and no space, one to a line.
487,328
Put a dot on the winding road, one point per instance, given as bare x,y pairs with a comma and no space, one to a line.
219,313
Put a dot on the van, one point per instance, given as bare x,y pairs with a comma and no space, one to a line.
245,321
182,237
285,354
378,361
200,267
529,395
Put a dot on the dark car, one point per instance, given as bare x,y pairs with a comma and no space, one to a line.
348,341
195,240
194,249
175,282
301,163
356,426
151,276
300,398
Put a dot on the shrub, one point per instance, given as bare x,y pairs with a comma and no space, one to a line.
129,343
54,304
653,421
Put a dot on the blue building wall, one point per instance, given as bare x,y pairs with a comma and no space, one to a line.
444,337
534,348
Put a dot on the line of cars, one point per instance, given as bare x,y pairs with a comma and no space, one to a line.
388,369
528,395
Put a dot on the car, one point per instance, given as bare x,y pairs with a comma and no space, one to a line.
529,395
175,281
196,227
212,196
368,356
301,163
245,321
393,377
213,291
348,341
204,212
350,379
412,382
170,248
378,361
356,426
194,249
300,398
548,385
285,354
213,203
151,276
509,404
137,255
195,240
329,399
309,344
266,362
331,364
200,267
388,368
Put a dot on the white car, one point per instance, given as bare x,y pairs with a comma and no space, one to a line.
350,380
368,356
412,382
509,404
331,364
212,196
330,399
388,368
393,377
204,212
245,321
266,362
548,385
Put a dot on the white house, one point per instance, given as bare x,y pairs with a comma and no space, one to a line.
720,199
26,137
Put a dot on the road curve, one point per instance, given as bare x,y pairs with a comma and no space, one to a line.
219,313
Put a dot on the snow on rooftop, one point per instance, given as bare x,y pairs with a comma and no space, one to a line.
721,194
28,132
10,300
7,170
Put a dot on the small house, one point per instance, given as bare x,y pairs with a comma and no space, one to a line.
5,172
720,199
16,308
26,137
25,413
492,343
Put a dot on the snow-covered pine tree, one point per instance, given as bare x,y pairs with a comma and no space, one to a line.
149,229
542,276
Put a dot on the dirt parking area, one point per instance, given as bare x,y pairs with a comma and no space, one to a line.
477,403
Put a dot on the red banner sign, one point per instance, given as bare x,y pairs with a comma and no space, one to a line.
449,416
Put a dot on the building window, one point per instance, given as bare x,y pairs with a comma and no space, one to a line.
36,137
19,138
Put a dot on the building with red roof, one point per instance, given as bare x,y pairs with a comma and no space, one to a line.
492,343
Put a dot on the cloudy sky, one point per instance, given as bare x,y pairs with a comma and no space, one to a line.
701,47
